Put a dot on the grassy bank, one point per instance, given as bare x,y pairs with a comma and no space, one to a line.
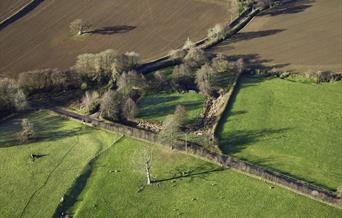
290,126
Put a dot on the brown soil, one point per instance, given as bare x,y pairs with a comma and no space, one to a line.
41,39
9,7
304,36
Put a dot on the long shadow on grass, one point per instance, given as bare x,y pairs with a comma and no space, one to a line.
156,107
200,172
293,7
235,141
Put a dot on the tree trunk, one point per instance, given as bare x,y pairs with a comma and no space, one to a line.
148,173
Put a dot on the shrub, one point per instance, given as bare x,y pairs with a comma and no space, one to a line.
26,131
196,57
12,98
111,106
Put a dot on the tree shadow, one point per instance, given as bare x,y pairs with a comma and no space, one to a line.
243,36
199,172
47,128
291,7
108,30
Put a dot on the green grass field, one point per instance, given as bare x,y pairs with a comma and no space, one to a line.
156,106
34,188
293,127
209,192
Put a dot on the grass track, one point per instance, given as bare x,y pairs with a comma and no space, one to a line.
293,127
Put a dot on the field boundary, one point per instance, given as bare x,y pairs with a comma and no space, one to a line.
19,13
296,185
236,25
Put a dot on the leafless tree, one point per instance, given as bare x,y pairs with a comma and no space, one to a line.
188,44
79,27
130,108
177,54
181,115
196,57
90,101
111,105
142,163
12,98
182,76
129,81
218,32
26,131
204,79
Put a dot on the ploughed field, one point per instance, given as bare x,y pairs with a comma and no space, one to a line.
293,127
9,7
302,36
35,188
41,39
184,186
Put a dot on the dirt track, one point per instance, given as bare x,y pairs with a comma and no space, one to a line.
8,7
304,36
41,39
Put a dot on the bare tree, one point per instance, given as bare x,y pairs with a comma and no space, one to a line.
111,105
142,162
182,76
133,59
188,44
196,57
129,81
204,79
240,65
79,27
181,115
90,101
160,81
218,32
26,131
130,108
12,98
177,54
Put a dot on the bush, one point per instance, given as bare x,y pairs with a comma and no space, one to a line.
188,44
196,57
218,32
12,98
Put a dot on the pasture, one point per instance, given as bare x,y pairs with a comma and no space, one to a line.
34,188
293,127
185,187
302,36
156,106
42,39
